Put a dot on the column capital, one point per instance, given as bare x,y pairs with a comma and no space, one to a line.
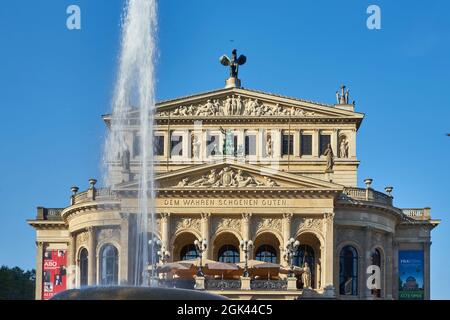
164,216
39,244
288,216
205,215
329,216
246,216
124,215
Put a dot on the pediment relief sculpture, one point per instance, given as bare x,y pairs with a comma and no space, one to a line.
235,105
227,177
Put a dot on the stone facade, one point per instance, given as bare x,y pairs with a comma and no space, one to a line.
279,188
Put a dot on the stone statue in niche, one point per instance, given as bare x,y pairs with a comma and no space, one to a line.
343,148
269,145
195,147
126,159
330,158
306,276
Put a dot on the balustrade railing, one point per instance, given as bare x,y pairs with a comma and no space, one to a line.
219,284
100,193
417,213
369,195
177,283
268,285
52,213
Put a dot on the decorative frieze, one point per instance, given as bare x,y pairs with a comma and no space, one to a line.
186,223
226,224
82,238
108,234
261,223
227,177
236,106
300,224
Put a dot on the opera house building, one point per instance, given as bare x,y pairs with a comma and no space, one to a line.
263,187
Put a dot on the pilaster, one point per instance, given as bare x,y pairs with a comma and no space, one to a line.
245,230
124,238
327,261
39,269
92,257
206,219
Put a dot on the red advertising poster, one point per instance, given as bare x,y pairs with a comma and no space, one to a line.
54,276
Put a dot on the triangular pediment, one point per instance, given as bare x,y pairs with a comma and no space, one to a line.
233,175
239,102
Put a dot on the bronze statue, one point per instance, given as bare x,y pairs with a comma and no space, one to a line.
233,63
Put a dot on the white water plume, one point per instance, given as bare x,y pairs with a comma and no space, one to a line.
135,87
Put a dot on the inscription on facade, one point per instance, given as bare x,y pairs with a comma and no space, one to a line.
225,202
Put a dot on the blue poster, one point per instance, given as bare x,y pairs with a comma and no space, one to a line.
410,275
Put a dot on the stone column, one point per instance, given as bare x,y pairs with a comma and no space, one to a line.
206,217
71,276
92,257
165,231
186,145
287,221
73,249
426,271
328,253
124,238
39,269
276,143
315,143
245,231
395,275
386,290
352,145
335,142
367,262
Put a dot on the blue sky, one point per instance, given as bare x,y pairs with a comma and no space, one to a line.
56,83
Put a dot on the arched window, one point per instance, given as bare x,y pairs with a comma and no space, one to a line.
348,271
109,265
229,254
305,253
188,252
266,253
83,265
376,260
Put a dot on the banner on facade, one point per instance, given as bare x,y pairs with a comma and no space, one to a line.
411,275
54,277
